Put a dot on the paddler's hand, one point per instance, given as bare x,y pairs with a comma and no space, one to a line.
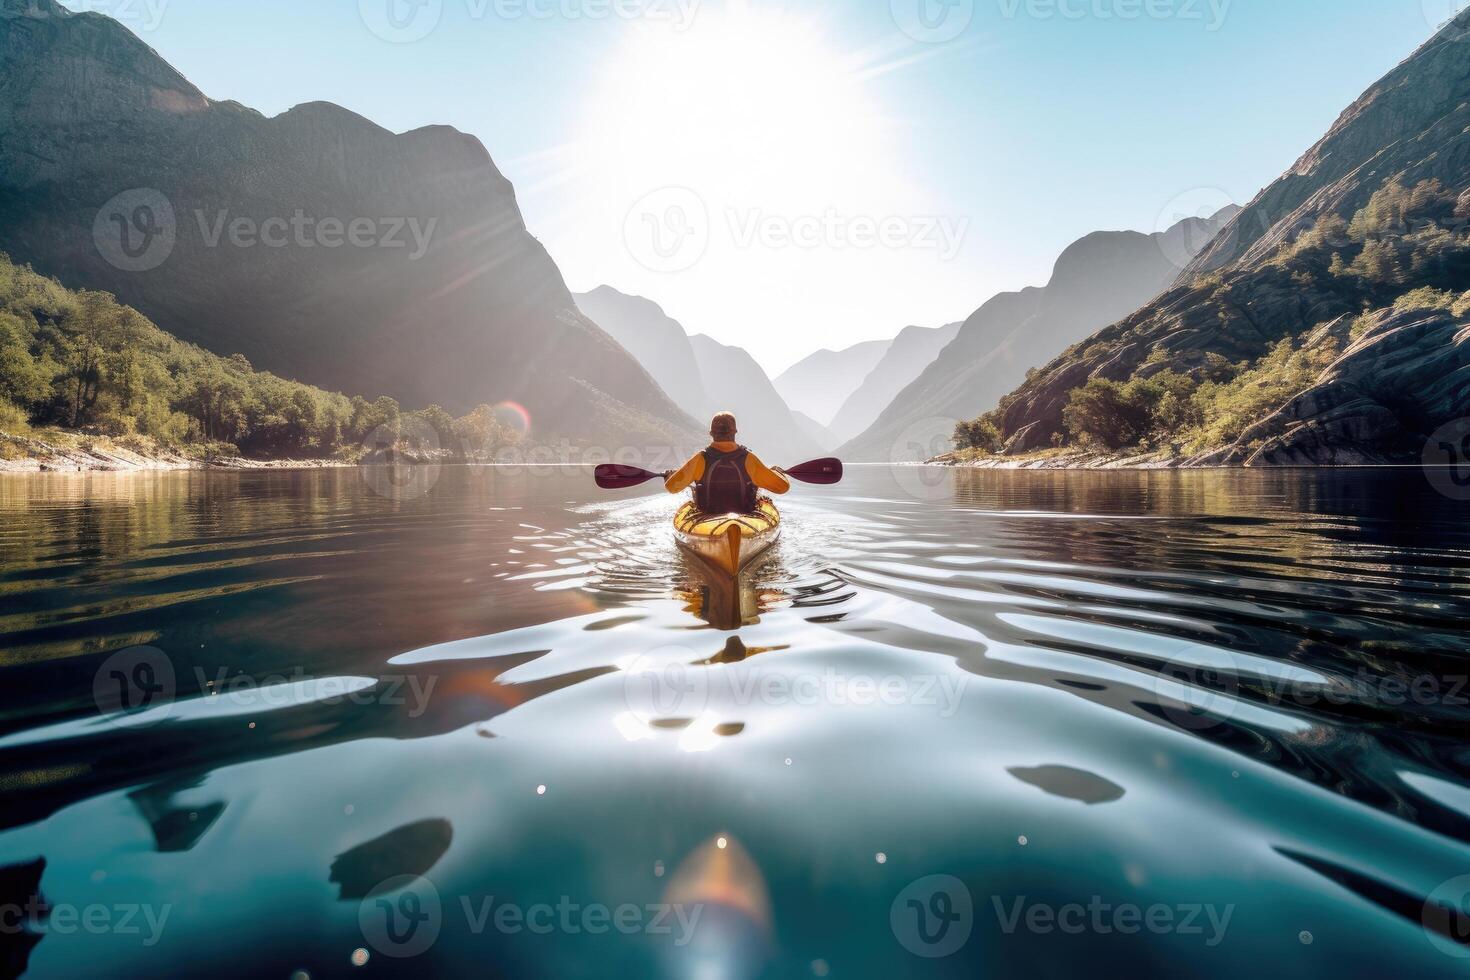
779,469
668,475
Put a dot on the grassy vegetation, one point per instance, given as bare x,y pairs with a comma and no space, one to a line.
78,361
1407,249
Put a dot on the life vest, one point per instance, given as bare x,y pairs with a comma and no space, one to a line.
726,488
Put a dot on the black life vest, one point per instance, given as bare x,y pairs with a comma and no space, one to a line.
726,488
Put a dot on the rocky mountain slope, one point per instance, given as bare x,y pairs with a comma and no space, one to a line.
1264,342
819,384
1096,280
912,351
317,244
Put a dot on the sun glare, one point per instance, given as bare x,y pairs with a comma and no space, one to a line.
744,106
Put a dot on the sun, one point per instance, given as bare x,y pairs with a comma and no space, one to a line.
746,106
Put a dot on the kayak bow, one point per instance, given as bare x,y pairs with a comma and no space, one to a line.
728,543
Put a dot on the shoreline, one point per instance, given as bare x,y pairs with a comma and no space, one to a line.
1083,461
104,455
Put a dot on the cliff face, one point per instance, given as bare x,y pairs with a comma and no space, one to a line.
317,244
1414,124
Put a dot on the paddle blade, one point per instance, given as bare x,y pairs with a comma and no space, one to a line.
611,476
822,472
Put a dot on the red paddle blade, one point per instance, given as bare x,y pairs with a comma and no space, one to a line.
822,472
611,476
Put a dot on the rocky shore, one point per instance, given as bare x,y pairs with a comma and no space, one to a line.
83,454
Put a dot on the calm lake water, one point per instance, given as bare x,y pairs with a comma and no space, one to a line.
975,724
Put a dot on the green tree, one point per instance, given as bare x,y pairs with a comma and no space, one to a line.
1105,414
982,434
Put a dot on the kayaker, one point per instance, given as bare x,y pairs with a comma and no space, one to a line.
727,477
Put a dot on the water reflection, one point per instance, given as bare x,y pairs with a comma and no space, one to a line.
408,851
1240,689
176,826
1070,784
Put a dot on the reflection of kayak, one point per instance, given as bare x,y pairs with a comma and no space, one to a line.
728,542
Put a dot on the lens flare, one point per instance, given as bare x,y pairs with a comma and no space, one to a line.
515,416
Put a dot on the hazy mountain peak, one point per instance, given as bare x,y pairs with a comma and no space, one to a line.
819,383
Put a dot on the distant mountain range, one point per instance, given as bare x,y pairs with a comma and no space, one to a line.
1343,288
1096,280
707,376
734,381
319,245
907,357
819,384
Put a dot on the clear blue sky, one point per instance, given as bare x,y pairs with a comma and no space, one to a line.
1030,128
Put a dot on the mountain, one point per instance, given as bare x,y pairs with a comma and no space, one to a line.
820,436
657,340
818,384
705,376
1325,325
913,350
1096,280
316,243
735,382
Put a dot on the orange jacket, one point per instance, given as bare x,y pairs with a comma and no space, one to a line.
760,474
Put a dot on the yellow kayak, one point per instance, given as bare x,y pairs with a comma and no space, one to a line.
728,542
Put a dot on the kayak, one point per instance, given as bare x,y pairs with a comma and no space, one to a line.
728,542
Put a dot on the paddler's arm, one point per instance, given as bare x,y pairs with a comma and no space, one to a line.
764,477
686,474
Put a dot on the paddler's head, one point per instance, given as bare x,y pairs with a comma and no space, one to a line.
722,427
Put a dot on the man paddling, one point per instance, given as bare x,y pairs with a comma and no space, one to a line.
727,477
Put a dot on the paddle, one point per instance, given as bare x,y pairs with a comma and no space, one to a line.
611,476
822,472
